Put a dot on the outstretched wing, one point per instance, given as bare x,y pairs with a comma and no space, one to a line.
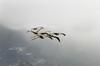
63,34
38,36
37,29
41,37
60,34
56,33
57,38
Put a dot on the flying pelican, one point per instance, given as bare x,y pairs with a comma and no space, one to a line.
63,34
59,34
51,36
37,32
47,34
37,28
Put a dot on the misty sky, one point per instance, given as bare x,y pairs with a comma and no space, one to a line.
79,18
70,14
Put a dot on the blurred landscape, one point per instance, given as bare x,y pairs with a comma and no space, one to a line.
16,47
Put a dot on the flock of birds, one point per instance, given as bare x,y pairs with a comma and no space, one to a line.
47,34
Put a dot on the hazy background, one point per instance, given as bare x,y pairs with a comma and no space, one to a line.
77,18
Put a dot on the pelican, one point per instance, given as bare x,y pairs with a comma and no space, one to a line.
63,34
37,29
51,36
59,34
47,34
37,32
56,33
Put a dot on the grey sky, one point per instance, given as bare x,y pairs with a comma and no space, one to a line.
58,13
79,18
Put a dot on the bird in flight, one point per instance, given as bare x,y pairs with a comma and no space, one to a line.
46,34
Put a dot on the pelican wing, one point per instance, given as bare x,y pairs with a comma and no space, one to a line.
56,33
41,37
63,34
58,38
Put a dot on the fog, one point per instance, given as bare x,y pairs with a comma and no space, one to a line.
77,18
